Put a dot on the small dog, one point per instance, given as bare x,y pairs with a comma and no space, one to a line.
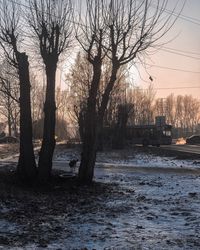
72,165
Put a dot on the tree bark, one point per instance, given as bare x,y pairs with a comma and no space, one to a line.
48,143
104,102
109,87
26,167
9,118
88,156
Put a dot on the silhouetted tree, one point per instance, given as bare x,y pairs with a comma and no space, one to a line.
133,27
124,111
91,40
9,96
121,31
51,22
10,43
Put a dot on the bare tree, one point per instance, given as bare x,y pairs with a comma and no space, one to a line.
10,42
9,96
51,22
91,40
79,80
133,28
182,112
37,98
169,109
122,31
194,114
124,111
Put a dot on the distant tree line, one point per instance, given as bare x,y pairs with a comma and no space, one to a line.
138,106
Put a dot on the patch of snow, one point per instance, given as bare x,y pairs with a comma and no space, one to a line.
128,159
152,211
148,210
8,227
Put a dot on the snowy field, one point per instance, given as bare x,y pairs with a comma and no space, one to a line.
135,208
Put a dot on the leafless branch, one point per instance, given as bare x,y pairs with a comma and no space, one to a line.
52,26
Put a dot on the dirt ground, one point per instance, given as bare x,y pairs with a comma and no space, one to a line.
123,209
8,149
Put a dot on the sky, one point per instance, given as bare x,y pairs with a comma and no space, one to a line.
176,67
183,60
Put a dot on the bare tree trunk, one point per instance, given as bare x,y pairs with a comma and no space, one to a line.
48,143
88,157
26,167
104,102
9,118
14,119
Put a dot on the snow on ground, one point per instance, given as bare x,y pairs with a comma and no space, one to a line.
154,212
146,160
144,210
129,158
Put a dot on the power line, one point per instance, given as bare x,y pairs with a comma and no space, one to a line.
181,16
175,69
180,54
173,88
188,87
30,8
174,51
182,51
184,17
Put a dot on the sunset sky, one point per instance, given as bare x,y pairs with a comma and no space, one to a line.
175,68
182,56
